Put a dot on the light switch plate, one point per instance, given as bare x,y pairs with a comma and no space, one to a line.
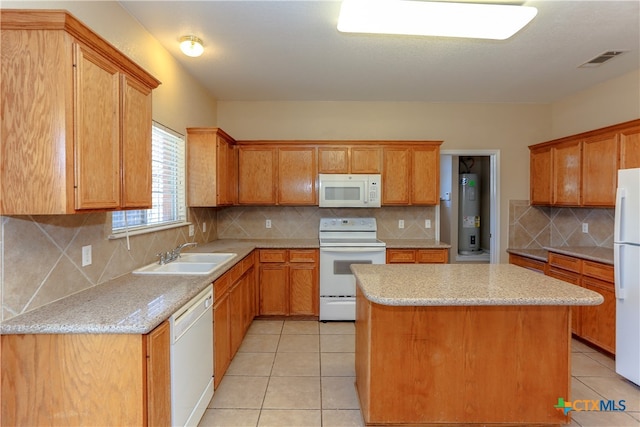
86,255
585,227
401,223
427,223
204,227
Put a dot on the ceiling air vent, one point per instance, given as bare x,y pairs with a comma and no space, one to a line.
602,58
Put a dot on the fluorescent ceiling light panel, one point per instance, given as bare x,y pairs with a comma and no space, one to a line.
424,18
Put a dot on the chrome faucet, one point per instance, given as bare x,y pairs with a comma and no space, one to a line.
172,255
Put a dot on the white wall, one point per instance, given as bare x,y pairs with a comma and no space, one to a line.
611,102
507,127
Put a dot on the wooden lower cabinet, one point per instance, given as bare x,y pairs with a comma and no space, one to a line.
233,311
86,379
288,282
419,256
595,324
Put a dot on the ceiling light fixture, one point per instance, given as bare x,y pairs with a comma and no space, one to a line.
425,18
191,46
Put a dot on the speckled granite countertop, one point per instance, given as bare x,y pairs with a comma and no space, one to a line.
134,304
415,244
595,253
465,284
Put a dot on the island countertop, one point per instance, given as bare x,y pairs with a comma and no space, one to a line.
465,284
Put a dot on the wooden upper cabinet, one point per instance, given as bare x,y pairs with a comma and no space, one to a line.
74,114
540,175
567,173
136,149
350,159
333,160
630,148
297,176
212,167
582,170
600,170
425,188
396,176
97,134
257,174
411,175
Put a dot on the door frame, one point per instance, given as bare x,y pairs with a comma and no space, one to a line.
494,186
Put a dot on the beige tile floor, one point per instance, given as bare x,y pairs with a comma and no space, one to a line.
301,374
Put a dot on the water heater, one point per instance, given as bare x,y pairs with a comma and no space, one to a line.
469,215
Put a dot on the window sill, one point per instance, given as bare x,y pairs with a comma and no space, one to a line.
146,230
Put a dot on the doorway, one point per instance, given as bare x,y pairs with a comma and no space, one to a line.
474,235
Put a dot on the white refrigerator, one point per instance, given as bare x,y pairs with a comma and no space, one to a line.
627,274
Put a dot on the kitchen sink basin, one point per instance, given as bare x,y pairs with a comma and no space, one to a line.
188,264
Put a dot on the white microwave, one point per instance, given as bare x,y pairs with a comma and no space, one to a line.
350,190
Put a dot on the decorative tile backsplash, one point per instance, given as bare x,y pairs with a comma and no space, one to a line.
534,227
41,255
303,222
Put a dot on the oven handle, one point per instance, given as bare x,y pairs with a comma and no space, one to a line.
355,249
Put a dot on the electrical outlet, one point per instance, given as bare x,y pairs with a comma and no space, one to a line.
204,227
86,255
401,223
585,227
267,223
192,230
427,223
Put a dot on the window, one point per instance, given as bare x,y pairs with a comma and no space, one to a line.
168,186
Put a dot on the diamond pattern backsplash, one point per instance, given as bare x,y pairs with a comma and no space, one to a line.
534,227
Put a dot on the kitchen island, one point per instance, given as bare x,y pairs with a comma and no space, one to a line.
463,344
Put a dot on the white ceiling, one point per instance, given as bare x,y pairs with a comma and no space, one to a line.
290,50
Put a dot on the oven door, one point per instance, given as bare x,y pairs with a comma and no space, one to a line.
336,278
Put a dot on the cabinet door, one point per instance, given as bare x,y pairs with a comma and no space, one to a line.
274,283
226,174
97,132
425,172
221,337
366,159
257,170
630,148
395,176
600,164
237,319
297,176
567,173
304,293
201,168
598,322
249,310
136,145
540,175
333,160
158,343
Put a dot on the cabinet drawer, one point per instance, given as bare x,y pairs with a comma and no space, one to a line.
598,270
432,256
401,256
529,263
221,285
273,255
565,262
303,255
565,275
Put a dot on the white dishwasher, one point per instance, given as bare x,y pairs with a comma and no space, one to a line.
192,359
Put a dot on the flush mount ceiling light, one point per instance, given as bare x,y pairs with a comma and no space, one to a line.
191,46
424,18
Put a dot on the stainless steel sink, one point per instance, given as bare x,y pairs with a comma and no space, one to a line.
188,264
